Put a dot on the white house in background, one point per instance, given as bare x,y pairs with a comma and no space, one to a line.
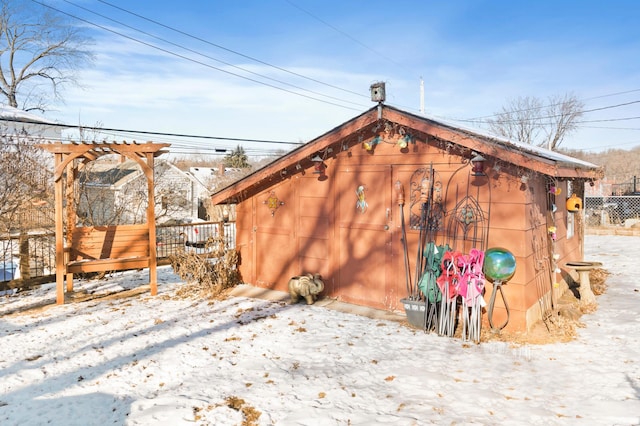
114,191
14,121
209,176
213,178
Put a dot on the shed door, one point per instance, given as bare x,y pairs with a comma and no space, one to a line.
364,234
274,254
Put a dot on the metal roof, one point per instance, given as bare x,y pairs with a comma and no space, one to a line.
523,155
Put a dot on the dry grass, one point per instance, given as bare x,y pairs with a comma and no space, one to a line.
561,325
250,415
598,278
209,275
556,328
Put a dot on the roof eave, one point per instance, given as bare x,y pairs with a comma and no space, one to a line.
488,146
485,145
301,155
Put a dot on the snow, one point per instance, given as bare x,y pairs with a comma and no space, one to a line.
163,360
520,146
9,112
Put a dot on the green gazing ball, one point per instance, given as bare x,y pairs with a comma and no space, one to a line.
499,264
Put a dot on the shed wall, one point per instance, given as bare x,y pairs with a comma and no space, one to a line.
317,226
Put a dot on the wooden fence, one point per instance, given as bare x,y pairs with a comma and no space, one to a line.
29,259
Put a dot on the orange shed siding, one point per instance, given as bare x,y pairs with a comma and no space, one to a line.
319,225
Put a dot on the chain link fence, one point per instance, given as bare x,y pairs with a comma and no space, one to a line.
612,211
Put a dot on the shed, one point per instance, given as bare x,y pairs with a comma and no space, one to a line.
331,207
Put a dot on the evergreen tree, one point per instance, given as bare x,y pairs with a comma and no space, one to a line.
237,159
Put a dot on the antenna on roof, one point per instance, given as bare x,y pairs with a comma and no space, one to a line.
421,95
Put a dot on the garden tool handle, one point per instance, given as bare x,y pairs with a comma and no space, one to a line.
399,193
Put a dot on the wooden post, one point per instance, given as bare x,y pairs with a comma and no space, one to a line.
72,175
25,265
223,242
60,265
151,223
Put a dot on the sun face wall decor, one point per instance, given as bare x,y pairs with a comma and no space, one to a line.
273,203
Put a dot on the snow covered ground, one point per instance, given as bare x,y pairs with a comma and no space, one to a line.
167,361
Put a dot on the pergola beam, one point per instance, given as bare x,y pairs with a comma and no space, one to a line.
65,154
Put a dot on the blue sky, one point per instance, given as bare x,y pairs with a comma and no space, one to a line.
474,56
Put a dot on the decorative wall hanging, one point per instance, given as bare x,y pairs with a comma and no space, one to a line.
273,203
554,190
370,145
467,224
427,179
467,215
361,203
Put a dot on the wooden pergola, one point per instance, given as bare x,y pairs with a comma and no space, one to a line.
66,155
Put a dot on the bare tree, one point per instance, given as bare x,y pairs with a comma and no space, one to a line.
25,180
532,121
40,54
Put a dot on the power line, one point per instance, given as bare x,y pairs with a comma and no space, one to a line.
207,56
616,145
611,106
612,94
519,119
344,33
195,148
230,50
190,59
250,57
482,118
349,36
612,128
145,132
609,119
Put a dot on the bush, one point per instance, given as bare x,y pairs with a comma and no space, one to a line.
207,275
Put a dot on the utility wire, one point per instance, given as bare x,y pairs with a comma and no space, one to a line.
230,50
482,118
260,61
555,115
144,132
193,146
617,145
612,128
207,56
344,34
190,59
609,119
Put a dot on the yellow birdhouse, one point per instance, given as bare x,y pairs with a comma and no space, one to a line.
574,204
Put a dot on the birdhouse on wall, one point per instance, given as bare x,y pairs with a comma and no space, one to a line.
574,204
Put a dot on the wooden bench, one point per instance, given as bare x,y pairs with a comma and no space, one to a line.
108,248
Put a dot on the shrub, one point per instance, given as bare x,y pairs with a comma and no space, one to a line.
209,274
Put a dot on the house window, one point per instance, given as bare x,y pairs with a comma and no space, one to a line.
570,216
